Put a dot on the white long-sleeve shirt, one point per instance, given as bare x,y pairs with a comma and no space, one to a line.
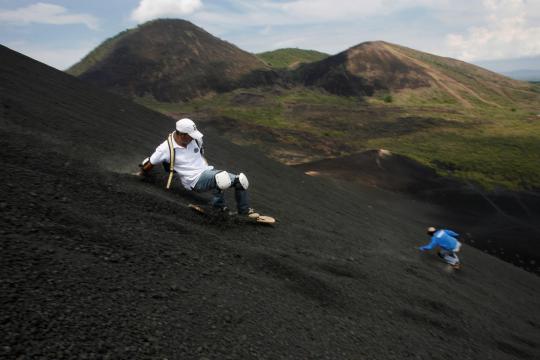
188,161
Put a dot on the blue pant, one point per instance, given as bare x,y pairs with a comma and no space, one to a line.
207,182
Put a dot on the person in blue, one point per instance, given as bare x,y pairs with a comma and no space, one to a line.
448,245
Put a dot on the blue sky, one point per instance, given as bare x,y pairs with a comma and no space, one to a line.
61,32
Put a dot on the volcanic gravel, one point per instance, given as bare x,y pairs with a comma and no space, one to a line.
500,222
99,264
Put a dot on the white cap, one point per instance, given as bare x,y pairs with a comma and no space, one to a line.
431,229
187,126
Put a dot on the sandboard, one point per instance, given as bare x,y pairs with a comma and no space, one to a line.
259,219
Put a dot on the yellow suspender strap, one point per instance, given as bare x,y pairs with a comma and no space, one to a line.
171,164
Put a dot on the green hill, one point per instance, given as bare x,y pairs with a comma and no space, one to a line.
411,76
290,57
169,60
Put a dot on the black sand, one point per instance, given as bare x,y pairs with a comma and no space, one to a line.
96,263
499,222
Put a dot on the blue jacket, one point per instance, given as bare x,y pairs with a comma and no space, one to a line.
442,238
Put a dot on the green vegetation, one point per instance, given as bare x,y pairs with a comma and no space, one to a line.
290,57
387,98
493,146
469,123
489,160
272,112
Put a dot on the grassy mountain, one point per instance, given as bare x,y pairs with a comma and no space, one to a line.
410,75
290,58
97,263
169,60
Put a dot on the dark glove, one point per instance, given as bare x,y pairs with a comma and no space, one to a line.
145,166
144,163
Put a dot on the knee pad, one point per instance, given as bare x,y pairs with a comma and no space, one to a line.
243,181
223,180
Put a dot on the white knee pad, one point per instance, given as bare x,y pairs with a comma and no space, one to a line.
243,180
223,180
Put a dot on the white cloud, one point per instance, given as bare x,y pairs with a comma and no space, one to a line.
329,26
317,10
266,31
301,12
480,29
508,31
59,58
152,9
324,10
43,13
289,42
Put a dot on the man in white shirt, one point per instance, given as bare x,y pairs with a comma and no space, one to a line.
184,145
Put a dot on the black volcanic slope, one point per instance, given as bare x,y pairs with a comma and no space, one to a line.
98,264
503,223
171,60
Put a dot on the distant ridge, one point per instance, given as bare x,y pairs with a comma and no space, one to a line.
526,68
378,66
290,58
170,60
173,60
524,75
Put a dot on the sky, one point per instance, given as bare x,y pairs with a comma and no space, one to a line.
60,32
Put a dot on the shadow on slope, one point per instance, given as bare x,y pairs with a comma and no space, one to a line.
502,223
98,264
